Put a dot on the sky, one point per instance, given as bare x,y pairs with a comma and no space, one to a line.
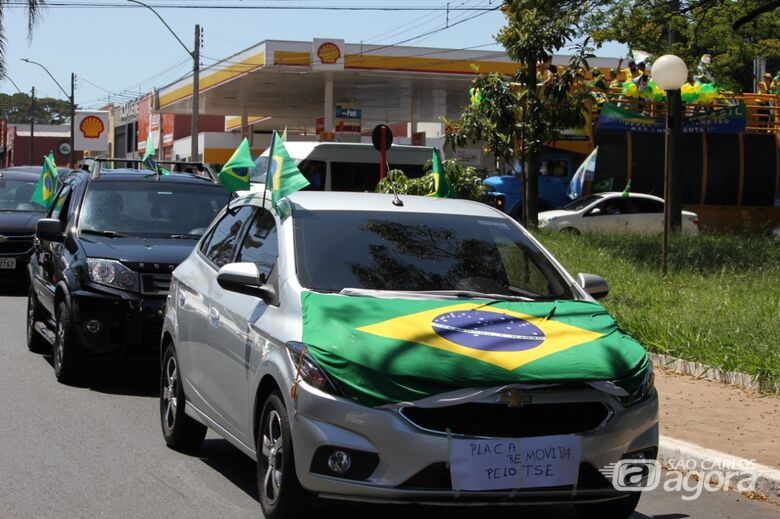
122,52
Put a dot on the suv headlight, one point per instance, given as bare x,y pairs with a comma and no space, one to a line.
111,273
307,370
645,389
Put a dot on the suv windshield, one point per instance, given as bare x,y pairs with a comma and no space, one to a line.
153,209
421,252
15,196
581,203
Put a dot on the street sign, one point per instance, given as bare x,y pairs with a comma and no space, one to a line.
91,130
376,137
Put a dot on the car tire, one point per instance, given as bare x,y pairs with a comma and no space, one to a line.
279,491
181,432
35,342
571,230
617,509
71,360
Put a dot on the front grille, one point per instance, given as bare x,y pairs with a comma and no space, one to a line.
156,284
14,245
502,421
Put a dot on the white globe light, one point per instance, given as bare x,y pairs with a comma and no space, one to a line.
669,72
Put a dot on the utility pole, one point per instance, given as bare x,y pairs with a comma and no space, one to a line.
195,94
32,124
72,119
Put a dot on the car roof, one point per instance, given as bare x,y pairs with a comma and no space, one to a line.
373,202
613,194
21,173
301,149
141,175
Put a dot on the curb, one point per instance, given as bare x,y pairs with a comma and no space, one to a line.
672,452
695,369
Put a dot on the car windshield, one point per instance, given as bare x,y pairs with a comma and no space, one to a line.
337,250
151,209
581,203
15,195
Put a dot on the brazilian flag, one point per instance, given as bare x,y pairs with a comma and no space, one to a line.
148,159
442,187
283,176
45,188
383,350
235,173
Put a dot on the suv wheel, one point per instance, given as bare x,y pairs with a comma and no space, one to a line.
35,343
179,430
281,494
71,361
617,509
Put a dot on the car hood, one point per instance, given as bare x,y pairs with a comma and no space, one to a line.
504,183
18,222
136,251
388,350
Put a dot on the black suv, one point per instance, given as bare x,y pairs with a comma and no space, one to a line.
103,261
18,216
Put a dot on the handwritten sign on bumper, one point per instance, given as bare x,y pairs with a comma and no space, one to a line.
502,464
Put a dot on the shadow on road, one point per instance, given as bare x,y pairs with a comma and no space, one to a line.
13,288
233,464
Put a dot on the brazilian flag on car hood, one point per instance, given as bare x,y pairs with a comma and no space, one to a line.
393,350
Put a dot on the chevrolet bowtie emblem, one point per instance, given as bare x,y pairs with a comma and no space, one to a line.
515,398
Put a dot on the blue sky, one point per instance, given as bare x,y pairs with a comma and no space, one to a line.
126,51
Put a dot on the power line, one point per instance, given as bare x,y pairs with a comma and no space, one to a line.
106,5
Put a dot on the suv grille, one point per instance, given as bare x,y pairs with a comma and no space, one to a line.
156,284
16,245
498,420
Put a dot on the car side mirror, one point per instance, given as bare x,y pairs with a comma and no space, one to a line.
594,285
245,278
49,229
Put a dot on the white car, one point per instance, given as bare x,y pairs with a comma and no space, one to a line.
612,212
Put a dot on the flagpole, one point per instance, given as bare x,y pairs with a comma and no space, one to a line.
268,165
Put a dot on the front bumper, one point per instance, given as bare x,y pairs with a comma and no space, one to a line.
129,323
413,463
18,250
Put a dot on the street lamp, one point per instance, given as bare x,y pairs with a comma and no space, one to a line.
72,99
195,53
670,73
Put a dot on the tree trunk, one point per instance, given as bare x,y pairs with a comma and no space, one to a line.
531,163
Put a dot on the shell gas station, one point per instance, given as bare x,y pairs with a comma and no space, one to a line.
327,89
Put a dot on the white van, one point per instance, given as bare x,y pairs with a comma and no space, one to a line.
344,166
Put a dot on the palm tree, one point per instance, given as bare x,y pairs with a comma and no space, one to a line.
34,8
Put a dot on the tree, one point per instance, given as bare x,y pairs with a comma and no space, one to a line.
34,8
733,33
16,109
514,119
465,182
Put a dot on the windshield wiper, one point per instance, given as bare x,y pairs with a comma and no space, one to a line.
107,234
185,236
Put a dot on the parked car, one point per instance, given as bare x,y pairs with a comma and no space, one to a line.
376,349
103,262
18,216
613,212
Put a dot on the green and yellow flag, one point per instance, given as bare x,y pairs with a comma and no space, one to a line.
442,187
384,351
148,159
627,191
283,176
46,186
235,173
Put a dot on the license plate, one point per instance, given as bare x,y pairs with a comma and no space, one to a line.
7,263
504,464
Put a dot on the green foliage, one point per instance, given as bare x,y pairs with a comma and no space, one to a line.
16,108
719,305
34,8
704,27
465,182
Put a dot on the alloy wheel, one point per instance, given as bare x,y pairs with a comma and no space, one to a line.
59,347
272,456
170,390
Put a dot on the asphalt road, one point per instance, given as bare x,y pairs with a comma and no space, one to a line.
97,452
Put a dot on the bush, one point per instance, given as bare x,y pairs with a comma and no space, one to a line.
465,182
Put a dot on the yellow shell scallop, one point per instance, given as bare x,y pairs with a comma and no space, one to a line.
91,127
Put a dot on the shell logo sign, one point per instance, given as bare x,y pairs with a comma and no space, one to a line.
92,130
92,127
327,54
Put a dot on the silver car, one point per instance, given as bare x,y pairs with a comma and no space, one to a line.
372,348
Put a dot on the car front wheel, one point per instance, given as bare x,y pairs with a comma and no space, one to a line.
281,494
179,430
71,360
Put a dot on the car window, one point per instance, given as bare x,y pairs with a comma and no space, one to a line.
610,207
315,172
420,252
581,203
15,195
260,245
646,205
553,168
222,242
354,176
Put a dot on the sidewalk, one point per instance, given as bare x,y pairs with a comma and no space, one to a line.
720,417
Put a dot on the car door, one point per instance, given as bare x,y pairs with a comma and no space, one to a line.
609,215
196,286
228,379
649,215
49,254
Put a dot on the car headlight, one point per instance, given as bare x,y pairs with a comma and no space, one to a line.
645,389
111,273
307,370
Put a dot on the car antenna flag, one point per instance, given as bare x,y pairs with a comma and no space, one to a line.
148,159
442,187
44,189
282,177
234,175
627,190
